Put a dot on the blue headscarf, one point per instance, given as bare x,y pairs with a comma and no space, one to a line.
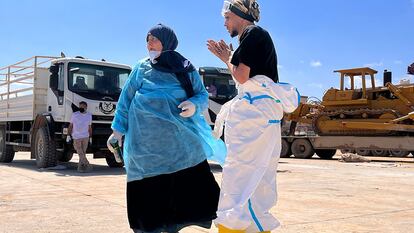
171,61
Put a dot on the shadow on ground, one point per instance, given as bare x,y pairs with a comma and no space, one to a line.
66,169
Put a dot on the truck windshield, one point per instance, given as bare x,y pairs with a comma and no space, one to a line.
220,87
96,82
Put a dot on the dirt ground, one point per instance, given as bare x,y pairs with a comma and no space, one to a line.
314,196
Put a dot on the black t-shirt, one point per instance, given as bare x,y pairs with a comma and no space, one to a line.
256,50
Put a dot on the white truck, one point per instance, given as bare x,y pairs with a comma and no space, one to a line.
39,95
220,87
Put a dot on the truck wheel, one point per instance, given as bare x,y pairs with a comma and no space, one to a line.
285,152
325,153
45,149
6,152
399,153
302,148
363,152
65,156
110,160
379,153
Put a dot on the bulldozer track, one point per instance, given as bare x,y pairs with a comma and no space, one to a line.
353,112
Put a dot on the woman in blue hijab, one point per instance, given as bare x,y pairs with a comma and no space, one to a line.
167,141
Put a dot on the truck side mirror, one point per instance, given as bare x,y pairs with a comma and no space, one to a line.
54,76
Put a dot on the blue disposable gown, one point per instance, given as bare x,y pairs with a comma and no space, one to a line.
157,139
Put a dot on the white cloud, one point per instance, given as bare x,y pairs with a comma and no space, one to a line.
406,78
315,64
317,85
398,62
374,64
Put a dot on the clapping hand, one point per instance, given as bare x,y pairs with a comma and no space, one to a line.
220,49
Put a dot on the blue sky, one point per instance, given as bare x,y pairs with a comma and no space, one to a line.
312,38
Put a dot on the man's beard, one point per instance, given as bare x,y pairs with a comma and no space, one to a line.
234,33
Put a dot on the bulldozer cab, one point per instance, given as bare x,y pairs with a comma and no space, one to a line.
351,95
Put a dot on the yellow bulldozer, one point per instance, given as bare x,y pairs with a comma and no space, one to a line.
377,110
364,117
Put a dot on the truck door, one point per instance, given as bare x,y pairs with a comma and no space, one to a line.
55,102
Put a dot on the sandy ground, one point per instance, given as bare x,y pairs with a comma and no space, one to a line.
314,196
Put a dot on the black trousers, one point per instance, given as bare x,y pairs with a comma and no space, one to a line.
170,202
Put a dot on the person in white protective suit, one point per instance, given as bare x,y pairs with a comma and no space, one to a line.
251,123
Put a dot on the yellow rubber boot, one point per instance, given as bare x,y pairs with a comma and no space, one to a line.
223,229
265,232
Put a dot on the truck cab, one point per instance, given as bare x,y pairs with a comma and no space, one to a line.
220,87
74,79
99,83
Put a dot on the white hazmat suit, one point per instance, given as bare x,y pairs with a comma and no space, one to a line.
252,134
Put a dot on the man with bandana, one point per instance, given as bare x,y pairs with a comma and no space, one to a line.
252,122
